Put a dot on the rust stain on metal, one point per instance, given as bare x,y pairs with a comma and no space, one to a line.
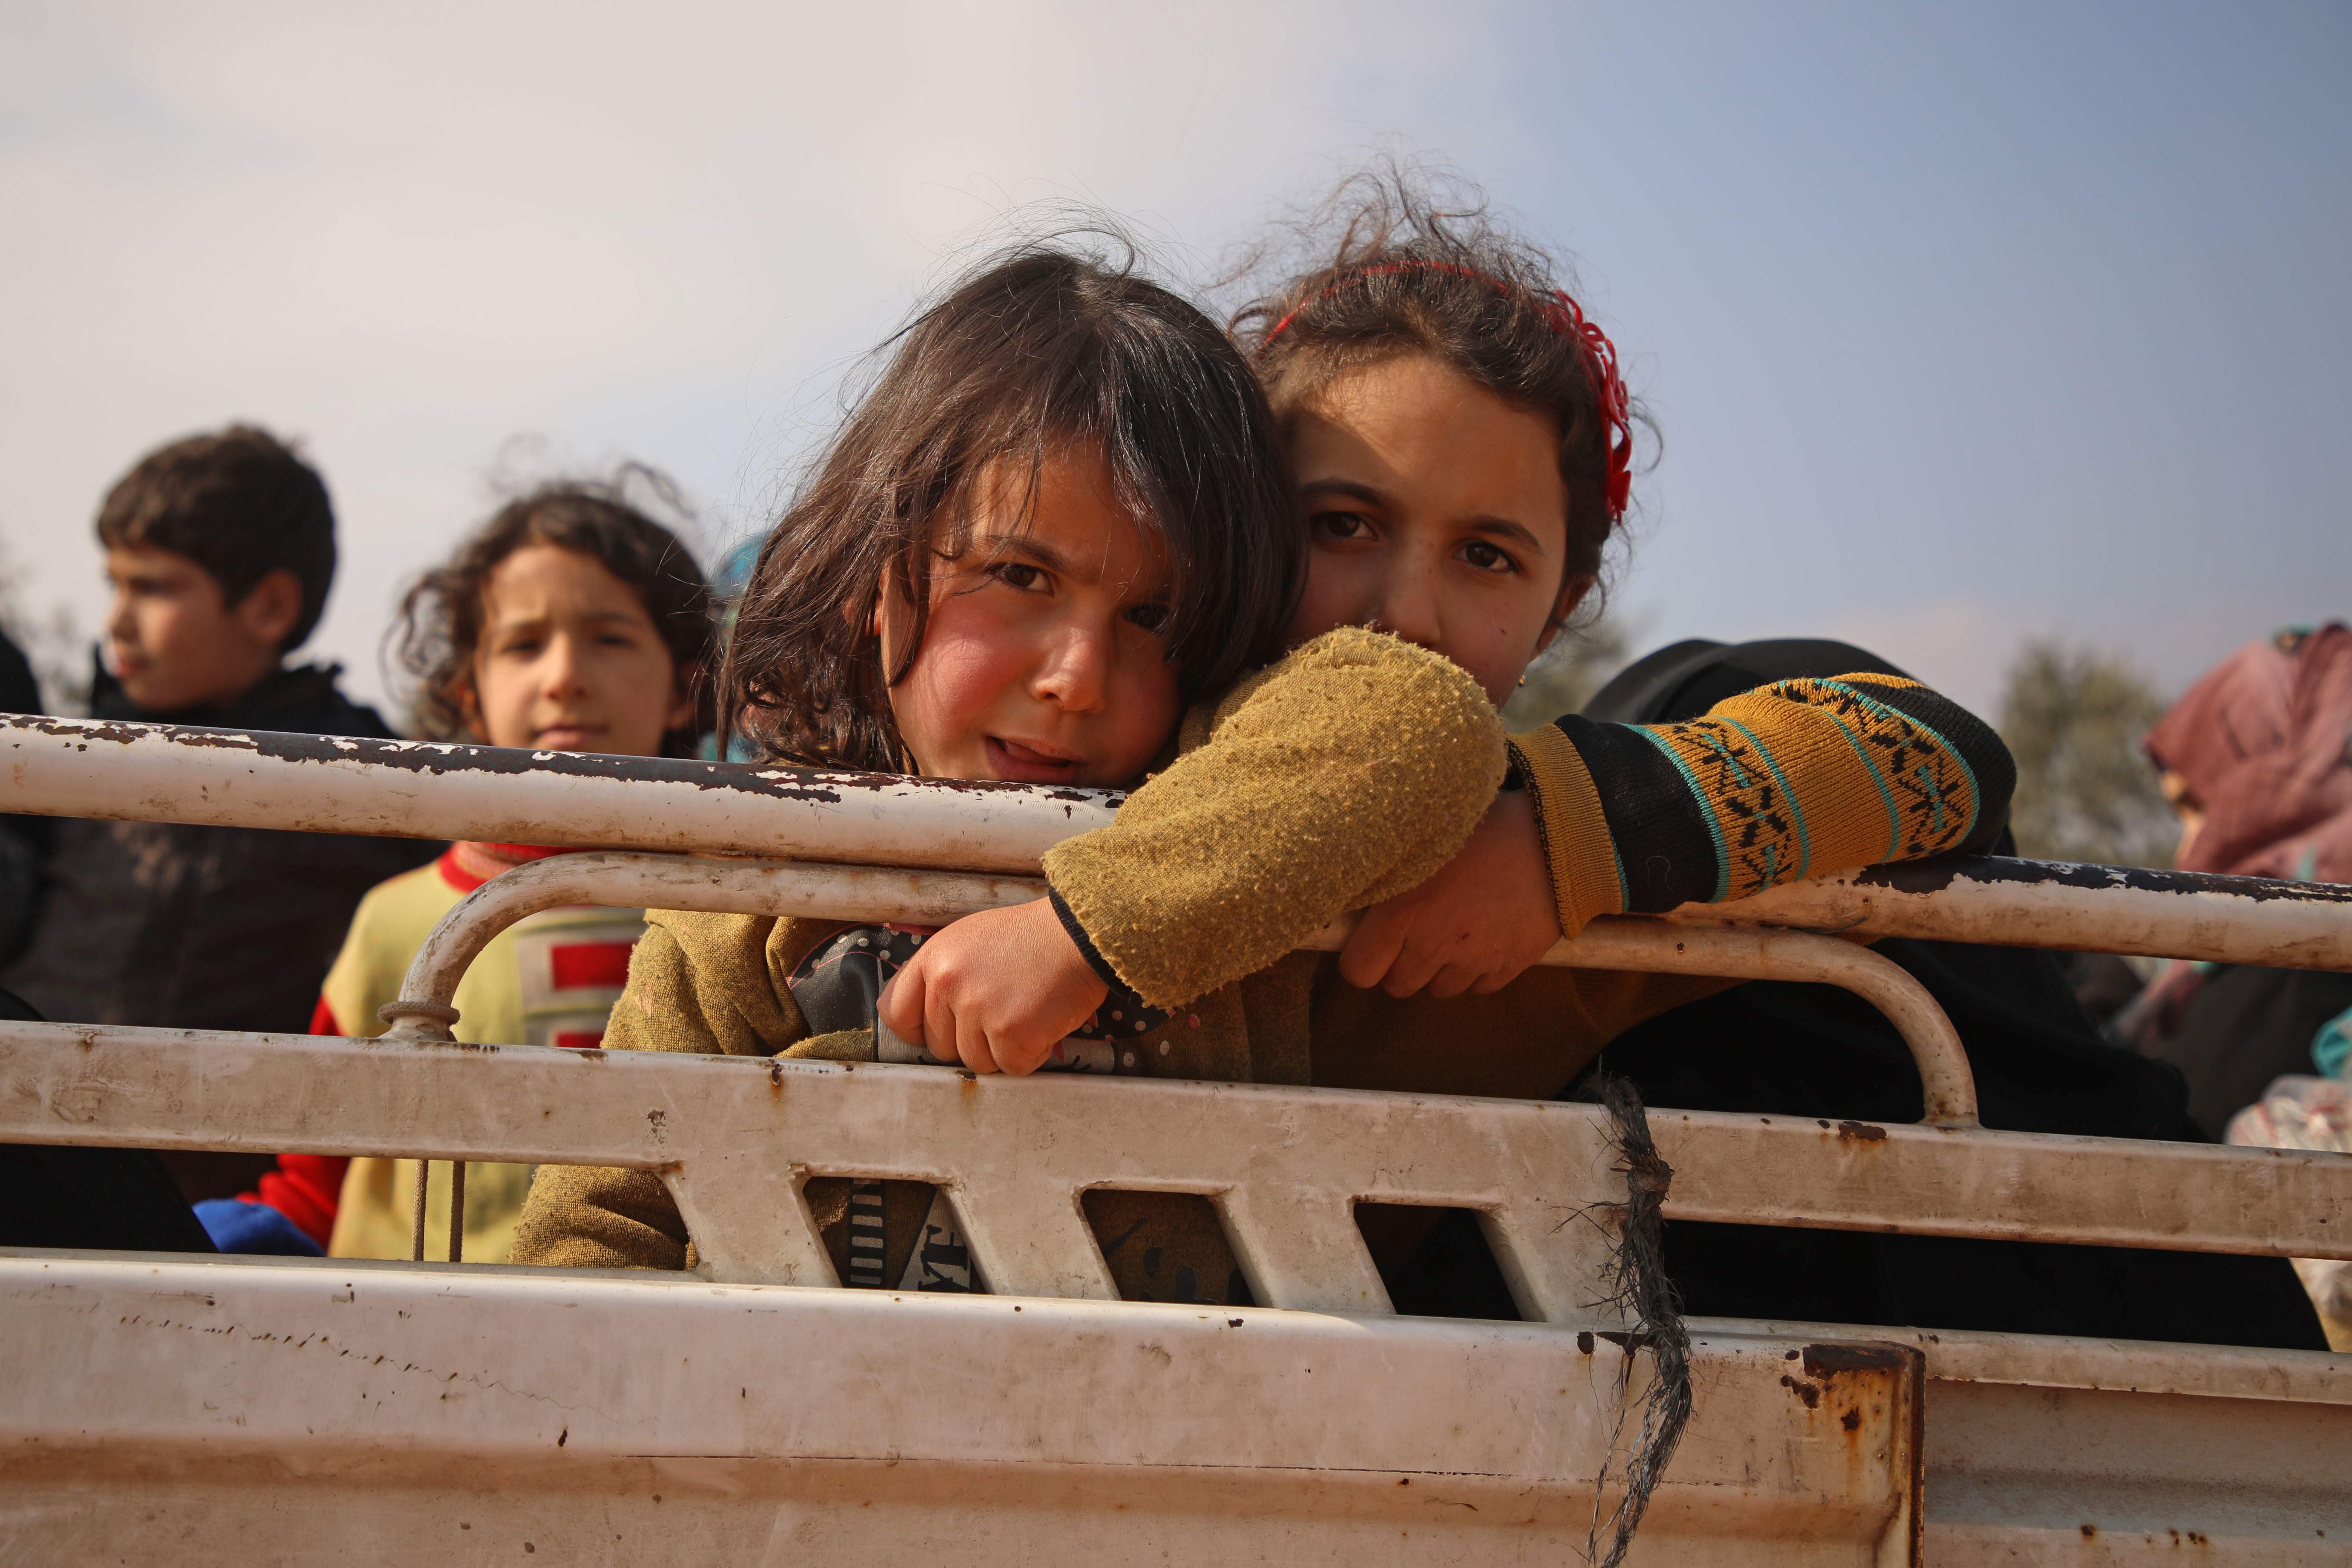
1860,1132
1828,1361
1811,1392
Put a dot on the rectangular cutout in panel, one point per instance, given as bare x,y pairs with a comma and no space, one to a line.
1166,1247
1437,1262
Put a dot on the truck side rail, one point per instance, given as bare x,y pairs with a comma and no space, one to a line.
64,767
735,1139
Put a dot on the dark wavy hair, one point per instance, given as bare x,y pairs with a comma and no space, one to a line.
1038,350
1391,265
440,623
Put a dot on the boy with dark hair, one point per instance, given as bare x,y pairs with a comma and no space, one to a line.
220,549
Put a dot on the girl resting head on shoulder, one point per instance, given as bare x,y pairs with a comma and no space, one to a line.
1461,436
1463,446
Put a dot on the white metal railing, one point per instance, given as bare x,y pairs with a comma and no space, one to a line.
62,767
326,783
933,898
734,1139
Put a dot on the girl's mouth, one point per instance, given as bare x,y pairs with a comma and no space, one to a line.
1016,762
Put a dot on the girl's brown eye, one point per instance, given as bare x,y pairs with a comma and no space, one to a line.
1018,574
1339,524
1487,558
1150,618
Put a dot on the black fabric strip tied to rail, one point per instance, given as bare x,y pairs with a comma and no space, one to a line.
1638,1285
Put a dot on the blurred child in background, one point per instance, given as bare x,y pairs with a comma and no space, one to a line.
220,549
572,622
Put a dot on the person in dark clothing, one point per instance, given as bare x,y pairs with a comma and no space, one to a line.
221,549
113,1200
2233,1029
24,840
2104,983
1787,1049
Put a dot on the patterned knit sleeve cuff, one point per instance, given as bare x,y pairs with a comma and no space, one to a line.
1583,862
1982,760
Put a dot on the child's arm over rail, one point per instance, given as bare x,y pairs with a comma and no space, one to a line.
1346,773
1769,786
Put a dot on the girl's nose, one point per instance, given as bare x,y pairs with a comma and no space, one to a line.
1075,672
559,674
1408,606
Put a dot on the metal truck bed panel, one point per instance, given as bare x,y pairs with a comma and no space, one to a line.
318,1411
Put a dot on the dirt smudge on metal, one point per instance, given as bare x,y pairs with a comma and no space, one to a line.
1934,876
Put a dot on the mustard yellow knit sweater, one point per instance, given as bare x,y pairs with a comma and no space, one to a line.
1347,773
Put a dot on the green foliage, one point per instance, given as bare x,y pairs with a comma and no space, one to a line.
1566,675
2074,719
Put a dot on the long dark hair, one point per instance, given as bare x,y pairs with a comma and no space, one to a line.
1040,348
1390,267
440,623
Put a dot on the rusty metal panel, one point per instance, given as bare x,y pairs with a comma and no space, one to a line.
2045,1450
2115,1366
2017,1473
321,1410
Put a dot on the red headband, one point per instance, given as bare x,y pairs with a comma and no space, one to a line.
1564,316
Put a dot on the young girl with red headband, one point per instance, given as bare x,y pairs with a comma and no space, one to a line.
1463,439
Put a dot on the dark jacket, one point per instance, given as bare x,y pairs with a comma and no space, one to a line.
204,928
24,840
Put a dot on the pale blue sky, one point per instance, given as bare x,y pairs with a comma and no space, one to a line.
1960,327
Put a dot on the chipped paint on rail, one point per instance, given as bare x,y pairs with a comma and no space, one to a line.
326,783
